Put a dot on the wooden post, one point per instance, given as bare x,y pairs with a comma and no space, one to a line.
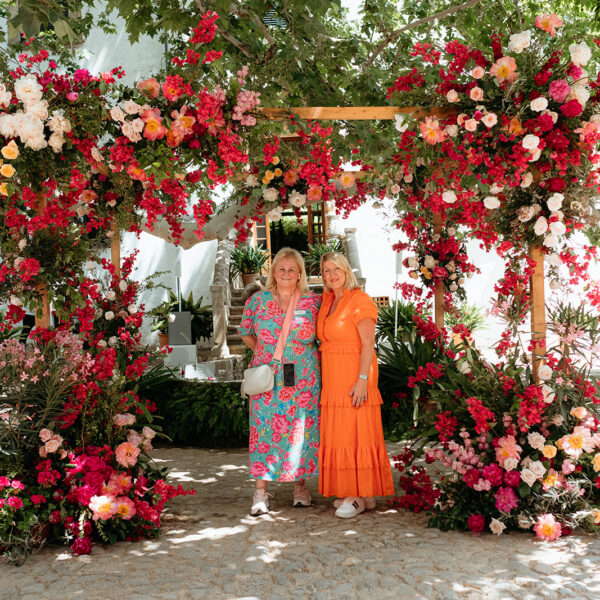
115,248
43,320
438,299
538,310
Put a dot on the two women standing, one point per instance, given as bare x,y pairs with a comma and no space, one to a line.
350,450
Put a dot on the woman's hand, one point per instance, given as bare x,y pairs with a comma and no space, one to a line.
358,393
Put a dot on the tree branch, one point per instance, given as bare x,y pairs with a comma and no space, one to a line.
439,15
256,19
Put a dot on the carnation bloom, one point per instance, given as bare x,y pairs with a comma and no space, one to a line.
547,528
504,69
103,507
126,454
548,22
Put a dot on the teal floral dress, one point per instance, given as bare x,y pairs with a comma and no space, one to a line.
284,422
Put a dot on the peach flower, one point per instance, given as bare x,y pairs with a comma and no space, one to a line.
547,528
126,454
504,69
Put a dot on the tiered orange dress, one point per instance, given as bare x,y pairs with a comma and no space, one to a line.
352,456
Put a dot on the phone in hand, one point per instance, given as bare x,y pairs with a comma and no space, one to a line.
289,375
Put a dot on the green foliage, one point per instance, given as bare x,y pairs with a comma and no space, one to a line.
201,315
386,320
289,232
203,414
247,260
312,258
470,315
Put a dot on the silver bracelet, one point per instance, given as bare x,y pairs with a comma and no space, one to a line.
365,377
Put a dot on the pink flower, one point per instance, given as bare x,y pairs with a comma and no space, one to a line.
38,499
72,96
150,87
567,467
512,478
45,435
15,502
126,454
431,131
121,481
547,528
154,130
263,447
471,477
548,22
4,482
103,507
125,508
507,448
506,499
314,193
581,440
258,469
82,546
124,420
476,523
476,94
280,424
17,485
504,69
493,473
271,459
559,90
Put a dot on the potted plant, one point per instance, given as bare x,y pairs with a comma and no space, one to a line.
312,258
248,262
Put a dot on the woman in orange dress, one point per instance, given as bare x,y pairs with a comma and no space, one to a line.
353,461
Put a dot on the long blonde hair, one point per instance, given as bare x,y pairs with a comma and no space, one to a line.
339,260
302,284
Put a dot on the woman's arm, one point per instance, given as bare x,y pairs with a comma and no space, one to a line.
366,331
250,341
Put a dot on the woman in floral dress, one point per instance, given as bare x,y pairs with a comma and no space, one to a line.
284,422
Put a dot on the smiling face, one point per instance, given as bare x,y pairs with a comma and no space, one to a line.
334,277
286,273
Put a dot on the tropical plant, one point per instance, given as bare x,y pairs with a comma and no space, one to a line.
396,320
247,260
201,315
312,258
470,315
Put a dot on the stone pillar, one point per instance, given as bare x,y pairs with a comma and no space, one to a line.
353,255
221,299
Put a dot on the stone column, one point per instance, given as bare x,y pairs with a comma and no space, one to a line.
353,255
221,299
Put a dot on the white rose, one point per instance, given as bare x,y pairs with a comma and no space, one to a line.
519,41
449,196
491,202
489,119
102,343
554,260
413,262
452,96
579,93
535,155
111,295
538,104
116,114
470,124
429,261
131,107
37,142
132,309
137,125
536,440
530,141
122,285
537,468
251,181
510,464
275,214
297,199
550,240
496,189
465,367
555,201
525,213
528,477
497,527
559,214
109,315
580,55
270,194
541,226
452,130
461,281
112,340
527,180
400,122
537,209
453,276
544,372
558,228
394,189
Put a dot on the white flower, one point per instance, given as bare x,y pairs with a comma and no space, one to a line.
131,108
15,301
528,477
394,189
429,261
110,295
38,109
452,96
510,464
22,244
530,141
275,214
130,133
536,440
28,90
555,284
538,104
496,189
102,343
497,527
550,240
56,142
408,178
556,420
554,260
525,213
491,202
527,180
489,119
535,155
541,226
580,55
537,208
452,130
58,123
519,41
132,309
109,315
461,281
449,196
112,340
465,367
579,93
89,265
555,201
544,372
470,124
413,262
37,142
137,125
400,122
270,194
453,287
251,181
537,468
559,214
297,199
171,318
557,228
451,231
451,267
116,114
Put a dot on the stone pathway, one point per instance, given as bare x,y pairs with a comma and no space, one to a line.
212,549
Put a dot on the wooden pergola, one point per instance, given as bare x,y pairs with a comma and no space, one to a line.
364,113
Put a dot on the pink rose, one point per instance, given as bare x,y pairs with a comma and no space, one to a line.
567,467
304,399
476,523
126,454
52,445
271,459
124,420
45,435
476,94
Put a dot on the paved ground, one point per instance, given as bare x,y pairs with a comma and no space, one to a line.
212,549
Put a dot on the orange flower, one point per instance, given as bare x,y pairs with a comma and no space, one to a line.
346,180
150,87
314,193
290,177
278,172
431,131
504,69
7,170
126,454
549,23
10,151
514,127
3,189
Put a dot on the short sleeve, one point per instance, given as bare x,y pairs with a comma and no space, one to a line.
247,326
363,307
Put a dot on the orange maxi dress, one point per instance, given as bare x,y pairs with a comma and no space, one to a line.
352,456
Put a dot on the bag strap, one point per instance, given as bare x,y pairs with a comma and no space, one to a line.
289,315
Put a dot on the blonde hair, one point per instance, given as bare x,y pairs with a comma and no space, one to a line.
339,260
284,253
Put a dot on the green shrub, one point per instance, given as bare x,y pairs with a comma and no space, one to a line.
202,414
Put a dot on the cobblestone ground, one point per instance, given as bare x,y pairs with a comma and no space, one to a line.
211,548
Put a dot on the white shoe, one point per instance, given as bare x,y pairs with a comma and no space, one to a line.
350,507
260,503
301,496
370,503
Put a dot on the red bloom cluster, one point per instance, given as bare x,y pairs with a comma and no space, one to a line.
481,414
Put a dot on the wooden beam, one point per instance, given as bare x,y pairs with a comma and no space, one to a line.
42,314
353,113
438,298
115,248
538,310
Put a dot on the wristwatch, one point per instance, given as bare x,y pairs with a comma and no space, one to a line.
365,377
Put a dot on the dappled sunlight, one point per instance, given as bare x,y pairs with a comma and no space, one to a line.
210,533
270,552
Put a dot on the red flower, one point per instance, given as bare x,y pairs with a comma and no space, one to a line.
82,546
571,109
476,523
555,184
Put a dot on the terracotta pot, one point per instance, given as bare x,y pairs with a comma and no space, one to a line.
248,278
163,339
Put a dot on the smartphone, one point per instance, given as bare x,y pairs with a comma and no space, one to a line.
289,375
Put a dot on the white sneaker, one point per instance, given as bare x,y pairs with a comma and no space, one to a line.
370,503
301,496
350,507
260,503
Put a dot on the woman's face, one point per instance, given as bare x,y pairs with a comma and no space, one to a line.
286,273
334,277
